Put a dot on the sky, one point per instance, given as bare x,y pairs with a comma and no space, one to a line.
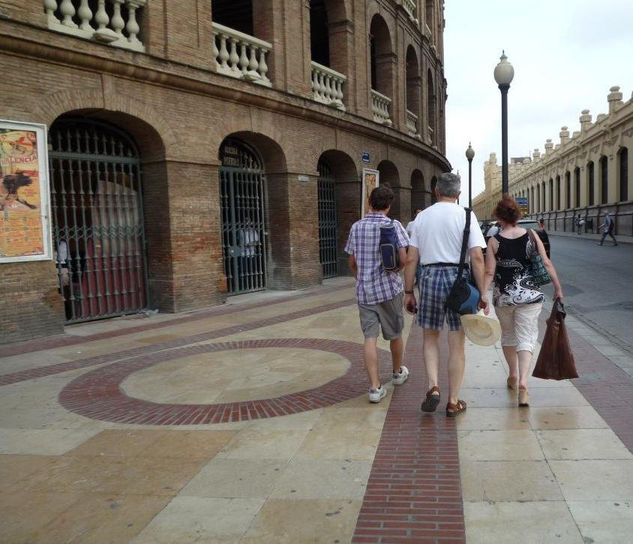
566,55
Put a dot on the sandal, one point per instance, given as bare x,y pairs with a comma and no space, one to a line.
432,400
453,410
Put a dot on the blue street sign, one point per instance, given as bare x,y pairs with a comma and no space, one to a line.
365,157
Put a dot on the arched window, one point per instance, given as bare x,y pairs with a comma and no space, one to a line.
577,187
557,203
604,180
430,106
382,76
590,184
567,190
413,92
551,194
538,198
623,168
319,33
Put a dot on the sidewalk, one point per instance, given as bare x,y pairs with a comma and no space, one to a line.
249,423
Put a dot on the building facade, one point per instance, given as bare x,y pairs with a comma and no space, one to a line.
585,174
202,149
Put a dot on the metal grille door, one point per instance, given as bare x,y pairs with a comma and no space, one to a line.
243,197
97,211
327,221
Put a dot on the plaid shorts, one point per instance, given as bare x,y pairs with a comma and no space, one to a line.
435,284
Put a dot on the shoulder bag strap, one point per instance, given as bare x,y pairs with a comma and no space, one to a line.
462,257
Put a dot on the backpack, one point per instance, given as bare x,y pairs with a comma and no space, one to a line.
388,247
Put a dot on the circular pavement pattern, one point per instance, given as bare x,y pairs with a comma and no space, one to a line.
98,394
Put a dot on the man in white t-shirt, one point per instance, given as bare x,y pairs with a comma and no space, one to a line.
436,245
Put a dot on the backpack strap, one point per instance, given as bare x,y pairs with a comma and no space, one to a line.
462,256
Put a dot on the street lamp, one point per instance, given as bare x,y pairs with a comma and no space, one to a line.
470,154
503,76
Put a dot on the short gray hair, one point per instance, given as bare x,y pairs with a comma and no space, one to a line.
449,184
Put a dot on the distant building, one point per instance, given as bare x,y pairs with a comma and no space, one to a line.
587,173
203,149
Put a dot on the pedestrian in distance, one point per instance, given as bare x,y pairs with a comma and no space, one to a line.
607,229
579,224
436,245
542,233
517,300
378,291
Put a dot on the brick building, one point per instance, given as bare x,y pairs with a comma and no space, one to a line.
202,149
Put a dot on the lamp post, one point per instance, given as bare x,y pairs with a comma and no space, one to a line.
504,72
470,154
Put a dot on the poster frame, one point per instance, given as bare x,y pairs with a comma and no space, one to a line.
370,177
44,185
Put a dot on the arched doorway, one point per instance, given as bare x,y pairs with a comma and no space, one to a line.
97,212
382,71
244,218
327,220
418,192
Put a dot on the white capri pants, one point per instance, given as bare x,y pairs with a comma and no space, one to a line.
519,325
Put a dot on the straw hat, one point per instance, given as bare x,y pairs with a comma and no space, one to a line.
481,329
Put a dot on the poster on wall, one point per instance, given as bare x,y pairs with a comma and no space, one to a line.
371,179
24,214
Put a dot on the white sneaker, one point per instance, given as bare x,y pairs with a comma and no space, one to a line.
376,395
400,377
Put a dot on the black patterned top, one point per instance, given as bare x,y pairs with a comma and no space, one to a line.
513,283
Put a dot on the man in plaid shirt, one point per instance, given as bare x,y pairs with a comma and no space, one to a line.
379,292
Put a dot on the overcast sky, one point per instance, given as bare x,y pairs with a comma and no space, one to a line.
566,55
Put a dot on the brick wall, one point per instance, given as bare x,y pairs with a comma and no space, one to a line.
179,111
31,305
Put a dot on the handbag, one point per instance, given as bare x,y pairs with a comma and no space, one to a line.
463,298
540,275
555,360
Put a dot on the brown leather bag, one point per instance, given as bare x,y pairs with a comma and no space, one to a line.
555,360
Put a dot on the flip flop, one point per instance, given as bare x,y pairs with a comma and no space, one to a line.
431,401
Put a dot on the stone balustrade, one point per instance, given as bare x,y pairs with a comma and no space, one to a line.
113,21
240,55
380,108
327,86
411,8
412,123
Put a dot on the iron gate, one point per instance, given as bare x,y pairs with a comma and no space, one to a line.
97,211
243,197
327,221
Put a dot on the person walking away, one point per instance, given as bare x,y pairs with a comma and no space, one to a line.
542,233
517,300
436,245
378,291
607,229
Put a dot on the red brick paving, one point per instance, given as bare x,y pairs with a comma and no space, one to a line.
98,394
414,489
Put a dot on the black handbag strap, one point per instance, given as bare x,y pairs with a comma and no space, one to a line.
462,256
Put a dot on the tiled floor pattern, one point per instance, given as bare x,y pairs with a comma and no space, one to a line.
555,472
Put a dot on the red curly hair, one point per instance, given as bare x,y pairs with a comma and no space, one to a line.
507,210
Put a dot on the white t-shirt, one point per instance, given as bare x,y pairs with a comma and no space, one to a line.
410,226
439,230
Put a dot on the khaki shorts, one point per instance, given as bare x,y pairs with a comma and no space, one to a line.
386,315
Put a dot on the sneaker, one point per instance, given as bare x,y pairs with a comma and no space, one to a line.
400,377
376,395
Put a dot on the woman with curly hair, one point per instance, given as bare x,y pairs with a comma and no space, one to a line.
517,300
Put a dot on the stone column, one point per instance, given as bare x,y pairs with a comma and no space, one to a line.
184,245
